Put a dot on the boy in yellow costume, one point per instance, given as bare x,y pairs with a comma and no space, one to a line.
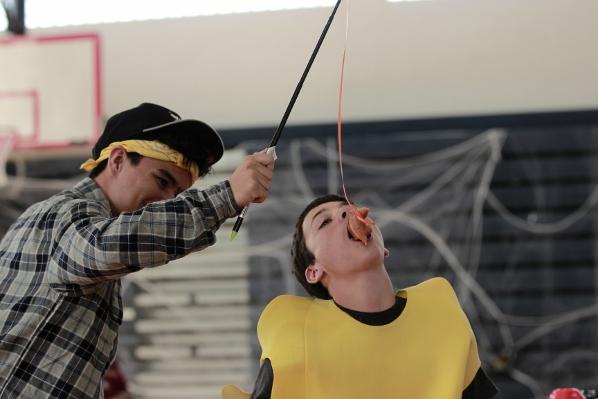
358,337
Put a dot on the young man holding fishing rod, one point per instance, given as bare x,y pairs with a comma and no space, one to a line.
62,260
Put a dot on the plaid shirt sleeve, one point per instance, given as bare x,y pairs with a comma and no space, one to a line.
60,304
90,246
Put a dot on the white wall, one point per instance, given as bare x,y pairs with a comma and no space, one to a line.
414,59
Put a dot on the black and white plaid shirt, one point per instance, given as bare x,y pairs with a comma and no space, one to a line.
60,264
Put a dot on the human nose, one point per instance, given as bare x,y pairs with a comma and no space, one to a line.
343,212
169,193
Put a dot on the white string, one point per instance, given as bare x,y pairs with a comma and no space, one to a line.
529,382
545,228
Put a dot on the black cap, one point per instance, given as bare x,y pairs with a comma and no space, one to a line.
194,139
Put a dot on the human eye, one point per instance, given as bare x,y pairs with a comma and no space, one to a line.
162,182
324,223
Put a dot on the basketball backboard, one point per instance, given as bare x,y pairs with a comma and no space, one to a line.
50,90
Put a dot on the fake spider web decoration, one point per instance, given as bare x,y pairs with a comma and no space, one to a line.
190,334
430,209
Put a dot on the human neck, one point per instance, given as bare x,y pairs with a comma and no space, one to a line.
102,182
370,291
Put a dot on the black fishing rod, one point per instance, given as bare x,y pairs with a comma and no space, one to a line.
287,112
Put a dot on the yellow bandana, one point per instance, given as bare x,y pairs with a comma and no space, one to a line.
152,149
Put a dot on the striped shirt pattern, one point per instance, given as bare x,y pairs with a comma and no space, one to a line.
60,265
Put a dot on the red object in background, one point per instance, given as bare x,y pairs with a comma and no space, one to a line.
566,393
115,385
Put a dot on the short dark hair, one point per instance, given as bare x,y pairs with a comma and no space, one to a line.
134,157
302,257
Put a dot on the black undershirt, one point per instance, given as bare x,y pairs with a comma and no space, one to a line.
377,318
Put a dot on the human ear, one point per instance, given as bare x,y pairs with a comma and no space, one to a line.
386,253
314,273
116,159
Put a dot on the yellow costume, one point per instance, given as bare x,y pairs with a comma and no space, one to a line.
317,351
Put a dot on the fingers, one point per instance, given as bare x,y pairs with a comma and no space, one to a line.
266,171
264,159
252,180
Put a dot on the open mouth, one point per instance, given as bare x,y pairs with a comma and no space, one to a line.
364,238
359,232
359,226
